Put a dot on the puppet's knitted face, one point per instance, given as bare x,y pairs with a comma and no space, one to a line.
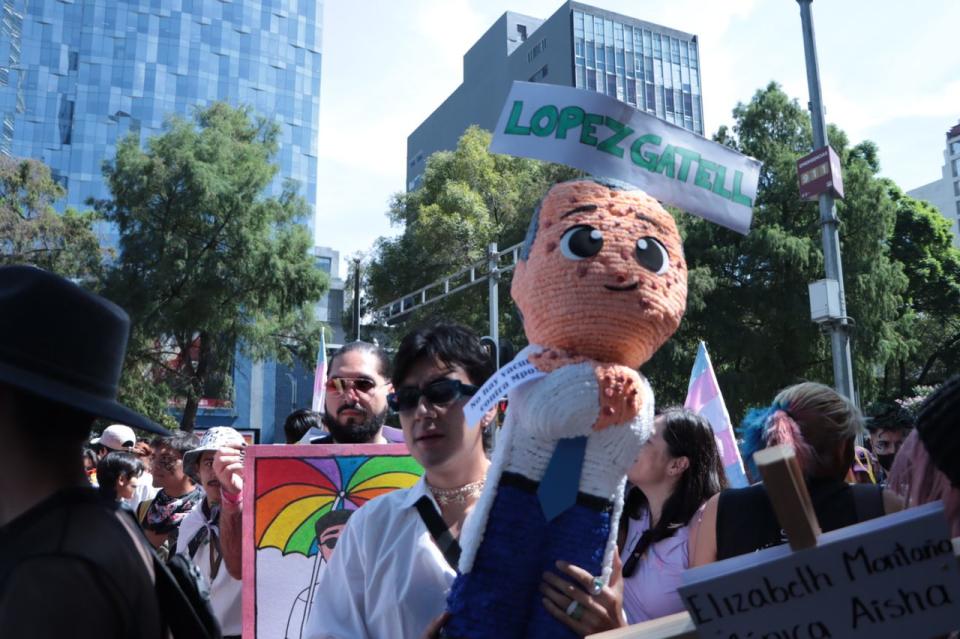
605,276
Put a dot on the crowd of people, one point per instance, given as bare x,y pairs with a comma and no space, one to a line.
63,544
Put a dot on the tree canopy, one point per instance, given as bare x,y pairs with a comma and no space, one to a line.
33,232
207,262
930,325
748,297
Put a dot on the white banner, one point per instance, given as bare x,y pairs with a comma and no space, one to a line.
886,578
608,138
519,371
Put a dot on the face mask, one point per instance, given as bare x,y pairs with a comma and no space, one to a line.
886,460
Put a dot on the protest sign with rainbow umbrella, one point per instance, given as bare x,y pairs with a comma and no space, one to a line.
293,492
290,489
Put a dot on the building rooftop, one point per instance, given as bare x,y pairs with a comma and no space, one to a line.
954,132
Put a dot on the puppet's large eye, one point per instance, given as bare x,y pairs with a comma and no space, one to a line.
581,242
652,255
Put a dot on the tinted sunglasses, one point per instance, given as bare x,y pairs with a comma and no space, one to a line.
340,385
438,393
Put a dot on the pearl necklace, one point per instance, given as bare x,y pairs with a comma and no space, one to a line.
447,496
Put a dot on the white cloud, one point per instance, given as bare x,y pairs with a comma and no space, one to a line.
705,19
449,27
858,114
384,72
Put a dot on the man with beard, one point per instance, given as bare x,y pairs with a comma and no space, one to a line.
355,408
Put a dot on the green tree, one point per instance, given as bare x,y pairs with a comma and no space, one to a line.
469,198
33,232
207,263
922,244
748,294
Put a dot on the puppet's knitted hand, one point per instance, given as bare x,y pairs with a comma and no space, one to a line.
620,399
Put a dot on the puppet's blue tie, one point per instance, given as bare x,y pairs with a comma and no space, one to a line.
561,481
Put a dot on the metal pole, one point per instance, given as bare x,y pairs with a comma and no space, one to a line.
356,299
494,290
494,293
293,390
839,330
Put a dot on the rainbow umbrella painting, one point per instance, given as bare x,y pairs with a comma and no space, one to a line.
293,492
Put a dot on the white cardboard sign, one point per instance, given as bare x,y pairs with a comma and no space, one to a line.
519,371
888,578
605,137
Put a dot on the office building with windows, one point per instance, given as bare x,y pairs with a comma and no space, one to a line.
944,193
651,67
76,77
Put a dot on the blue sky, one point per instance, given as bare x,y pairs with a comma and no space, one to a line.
890,72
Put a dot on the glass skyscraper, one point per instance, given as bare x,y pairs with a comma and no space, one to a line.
640,64
77,76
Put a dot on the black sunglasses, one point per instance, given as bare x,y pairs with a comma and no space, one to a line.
438,393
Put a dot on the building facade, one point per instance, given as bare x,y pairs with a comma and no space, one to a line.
76,77
265,392
944,193
653,68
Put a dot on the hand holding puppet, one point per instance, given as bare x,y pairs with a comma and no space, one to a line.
601,285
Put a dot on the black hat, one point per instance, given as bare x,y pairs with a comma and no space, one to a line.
65,344
939,428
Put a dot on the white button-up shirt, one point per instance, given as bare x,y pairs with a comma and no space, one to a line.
387,579
225,591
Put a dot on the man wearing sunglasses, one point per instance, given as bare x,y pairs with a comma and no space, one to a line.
354,412
356,395
392,569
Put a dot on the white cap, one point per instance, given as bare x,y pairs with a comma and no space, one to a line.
116,437
213,439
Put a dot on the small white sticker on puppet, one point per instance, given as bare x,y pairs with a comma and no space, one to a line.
519,371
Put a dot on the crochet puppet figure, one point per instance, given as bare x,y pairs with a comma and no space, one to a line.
601,285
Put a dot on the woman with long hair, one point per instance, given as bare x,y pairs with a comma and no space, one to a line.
822,426
678,469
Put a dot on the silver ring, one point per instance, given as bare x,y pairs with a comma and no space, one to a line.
597,586
575,610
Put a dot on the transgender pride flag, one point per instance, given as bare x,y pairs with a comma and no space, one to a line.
320,375
704,398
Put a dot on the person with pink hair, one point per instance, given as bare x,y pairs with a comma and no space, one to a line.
822,426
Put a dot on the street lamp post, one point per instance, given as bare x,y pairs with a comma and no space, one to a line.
840,328
356,299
